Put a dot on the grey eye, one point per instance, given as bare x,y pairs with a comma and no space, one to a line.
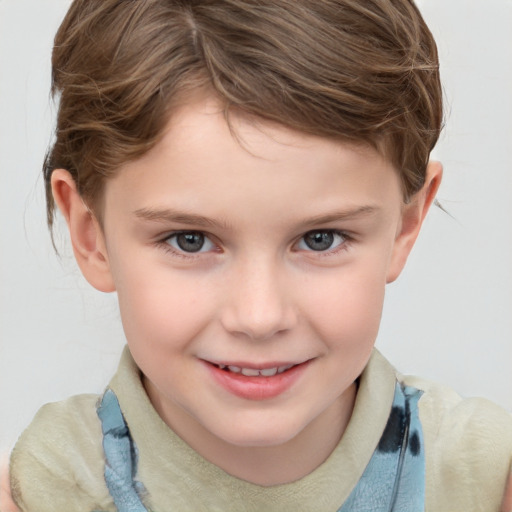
321,240
190,241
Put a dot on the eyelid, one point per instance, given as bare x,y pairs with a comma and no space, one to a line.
162,242
346,239
176,250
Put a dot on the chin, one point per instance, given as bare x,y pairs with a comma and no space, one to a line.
259,442
259,436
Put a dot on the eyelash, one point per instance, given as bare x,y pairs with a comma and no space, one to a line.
342,246
168,248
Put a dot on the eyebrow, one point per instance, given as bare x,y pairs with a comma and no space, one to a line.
339,215
179,217
169,215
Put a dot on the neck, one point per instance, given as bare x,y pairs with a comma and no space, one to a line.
269,465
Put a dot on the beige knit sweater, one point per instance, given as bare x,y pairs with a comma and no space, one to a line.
57,465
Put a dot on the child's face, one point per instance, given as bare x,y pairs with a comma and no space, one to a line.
268,252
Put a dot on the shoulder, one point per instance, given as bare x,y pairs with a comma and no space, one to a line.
475,419
468,444
57,464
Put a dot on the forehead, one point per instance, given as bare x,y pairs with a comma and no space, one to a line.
205,160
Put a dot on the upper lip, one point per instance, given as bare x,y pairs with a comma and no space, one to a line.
256,366
267,369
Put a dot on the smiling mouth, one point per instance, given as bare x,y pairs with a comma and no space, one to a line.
253,383
255,372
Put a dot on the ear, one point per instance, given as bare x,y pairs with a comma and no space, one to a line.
85,231
413,214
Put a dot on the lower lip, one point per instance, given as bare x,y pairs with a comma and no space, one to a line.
257,388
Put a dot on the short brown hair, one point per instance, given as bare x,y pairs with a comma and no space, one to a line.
348,69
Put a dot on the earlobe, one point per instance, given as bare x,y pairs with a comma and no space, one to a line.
85,232
413,215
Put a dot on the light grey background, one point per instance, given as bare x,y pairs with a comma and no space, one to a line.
448,318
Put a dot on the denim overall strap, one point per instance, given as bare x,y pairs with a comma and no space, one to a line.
120,456
394,480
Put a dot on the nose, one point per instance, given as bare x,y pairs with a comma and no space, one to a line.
260,302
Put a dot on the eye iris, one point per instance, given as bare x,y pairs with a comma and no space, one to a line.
319,240
190,242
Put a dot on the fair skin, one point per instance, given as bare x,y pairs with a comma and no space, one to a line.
265,253
255,295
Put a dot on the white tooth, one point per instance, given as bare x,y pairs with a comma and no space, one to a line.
222,366
234,369
250,372
268,372
282,369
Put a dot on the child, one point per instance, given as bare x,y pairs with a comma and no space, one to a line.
248,176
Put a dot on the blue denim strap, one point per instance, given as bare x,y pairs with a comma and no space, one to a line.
120,456
394,480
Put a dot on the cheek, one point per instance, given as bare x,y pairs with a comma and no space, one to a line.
346,308
161,308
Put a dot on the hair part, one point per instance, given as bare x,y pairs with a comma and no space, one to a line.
344,69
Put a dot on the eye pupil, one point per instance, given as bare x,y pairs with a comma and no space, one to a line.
190,242
319,240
